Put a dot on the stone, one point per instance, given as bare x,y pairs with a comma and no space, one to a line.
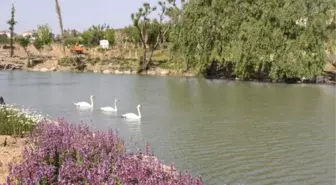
151,72
118,72
164,72
320,79
106,71
44,69
127,72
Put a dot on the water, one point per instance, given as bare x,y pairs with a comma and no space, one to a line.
229,132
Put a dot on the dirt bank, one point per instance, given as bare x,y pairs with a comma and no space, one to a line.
9,153
114,61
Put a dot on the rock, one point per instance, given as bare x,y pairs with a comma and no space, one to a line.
330,68
118,72
164,72
151,72
53,69
106,71
96,71
127,72
44,69
133,72
320,79
161,71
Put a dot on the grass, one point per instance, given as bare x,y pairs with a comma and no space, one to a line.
15,121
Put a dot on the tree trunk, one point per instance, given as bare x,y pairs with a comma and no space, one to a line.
28,57
143,62
60,21
11,45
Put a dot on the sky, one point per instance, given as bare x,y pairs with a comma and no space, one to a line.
76,14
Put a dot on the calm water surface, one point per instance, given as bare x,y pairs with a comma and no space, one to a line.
229,132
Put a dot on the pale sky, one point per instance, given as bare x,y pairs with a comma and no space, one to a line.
77,14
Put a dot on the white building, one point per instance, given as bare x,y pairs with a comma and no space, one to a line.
5,32
28,33
104,44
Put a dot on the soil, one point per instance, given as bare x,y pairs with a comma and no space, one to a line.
9,153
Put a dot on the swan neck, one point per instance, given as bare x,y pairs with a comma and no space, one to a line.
139,112
115,105
91,101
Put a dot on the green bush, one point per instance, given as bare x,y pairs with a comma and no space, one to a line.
4,39
14,121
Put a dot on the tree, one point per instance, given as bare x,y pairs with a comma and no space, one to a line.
110,36
132,34
44,34
255,39
151,31
60,21
94,34
24,42
12,23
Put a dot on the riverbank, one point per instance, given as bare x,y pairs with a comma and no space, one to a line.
113,61
121,62
10,151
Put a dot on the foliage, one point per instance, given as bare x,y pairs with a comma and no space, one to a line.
94,34
14,121
12,23
110,35
64,153
4,39
70,41
75,62
23,41
38,44
132,34
150,31
44,34
255,38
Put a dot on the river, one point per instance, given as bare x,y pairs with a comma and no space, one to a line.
229,132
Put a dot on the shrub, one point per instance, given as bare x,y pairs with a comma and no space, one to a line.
4,39
64,153
17,122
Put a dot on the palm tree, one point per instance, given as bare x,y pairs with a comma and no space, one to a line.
60,21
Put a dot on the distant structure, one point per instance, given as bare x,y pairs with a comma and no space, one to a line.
5,32
104,44
29,33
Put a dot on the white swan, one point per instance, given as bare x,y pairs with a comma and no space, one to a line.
111,109
132,115
85,104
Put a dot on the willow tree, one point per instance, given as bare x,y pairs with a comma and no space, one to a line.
256,38
60,21
12,23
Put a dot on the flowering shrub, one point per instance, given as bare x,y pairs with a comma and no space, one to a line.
14,121
63,153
